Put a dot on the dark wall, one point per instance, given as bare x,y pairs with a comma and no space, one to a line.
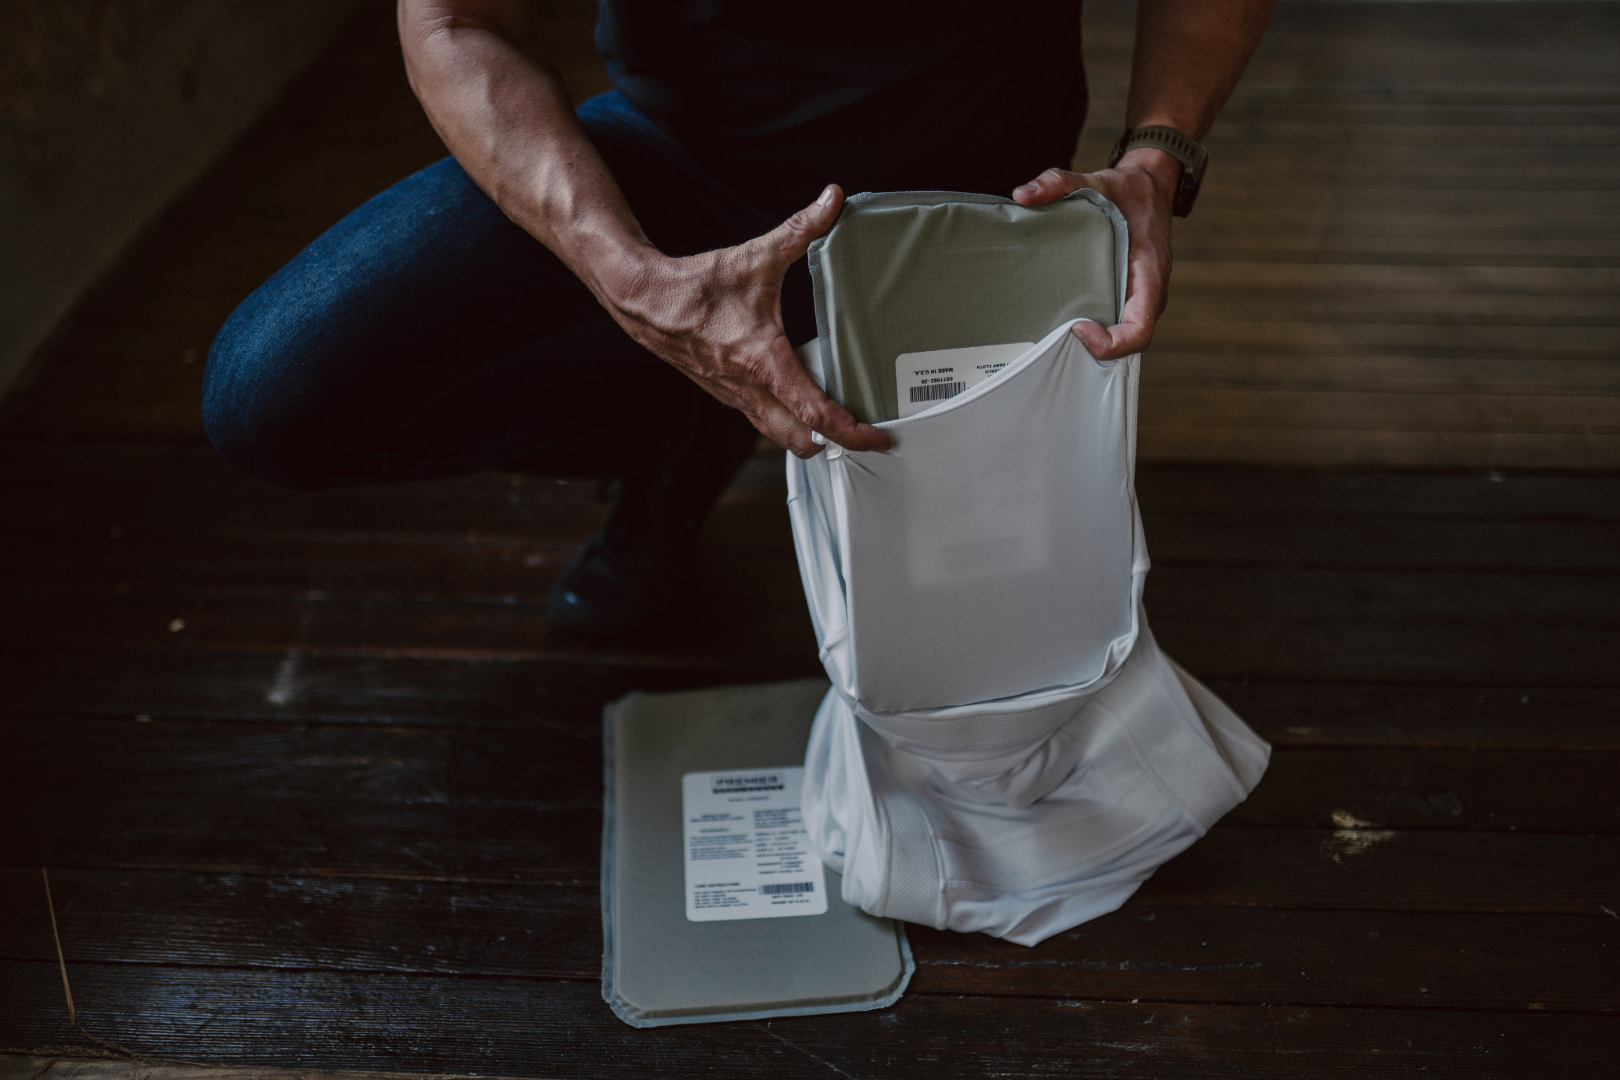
108,109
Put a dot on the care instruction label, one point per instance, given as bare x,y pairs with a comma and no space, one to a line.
924,379
746,854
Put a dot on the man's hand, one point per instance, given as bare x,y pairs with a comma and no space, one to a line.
1188,57
717,317
1143,186
503,110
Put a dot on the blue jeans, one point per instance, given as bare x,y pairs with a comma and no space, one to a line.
425,335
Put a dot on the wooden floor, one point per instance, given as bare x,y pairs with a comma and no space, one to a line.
1407,251
317,788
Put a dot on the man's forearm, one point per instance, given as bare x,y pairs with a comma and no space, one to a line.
503,110
1189,56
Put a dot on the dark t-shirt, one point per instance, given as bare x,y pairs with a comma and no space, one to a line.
778,100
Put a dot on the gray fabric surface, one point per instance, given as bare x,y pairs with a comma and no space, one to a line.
659,968
914,271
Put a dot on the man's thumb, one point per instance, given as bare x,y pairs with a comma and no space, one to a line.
791,239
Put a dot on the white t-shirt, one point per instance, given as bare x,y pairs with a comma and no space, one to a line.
1004,747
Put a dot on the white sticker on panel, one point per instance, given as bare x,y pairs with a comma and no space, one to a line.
747,855
924,379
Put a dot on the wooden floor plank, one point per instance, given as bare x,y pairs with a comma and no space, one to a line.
1333,448
1342,652
1237,302
1254,108
1240,535
1163,953
1436,789
1475,832
1416,716
1388,374
1399,252
308,686
722,635
469,843
1597,128
1349,229
176,573
1148,951
746,641
495,1025
1181,591
1377,870
1568,415
1326,338
112,1066
555,766
421,927
1285,493
90,490
349,689
500,572
1427,284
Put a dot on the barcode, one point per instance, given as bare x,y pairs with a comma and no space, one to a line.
936,392
789,887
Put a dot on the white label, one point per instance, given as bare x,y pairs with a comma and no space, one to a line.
924,379
746,855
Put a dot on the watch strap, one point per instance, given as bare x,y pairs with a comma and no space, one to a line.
1185,149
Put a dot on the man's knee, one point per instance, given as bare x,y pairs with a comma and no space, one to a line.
255,409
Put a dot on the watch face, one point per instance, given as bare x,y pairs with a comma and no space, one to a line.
1119,149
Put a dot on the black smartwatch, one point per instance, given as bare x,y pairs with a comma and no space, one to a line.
1193,157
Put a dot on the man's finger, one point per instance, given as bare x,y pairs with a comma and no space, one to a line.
1121,339
769,416
811,406
1144,300
1145,286
1135,327
1095,338
1048,187
1134,331
778,424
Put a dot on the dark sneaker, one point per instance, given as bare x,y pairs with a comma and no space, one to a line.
603,592
646,556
